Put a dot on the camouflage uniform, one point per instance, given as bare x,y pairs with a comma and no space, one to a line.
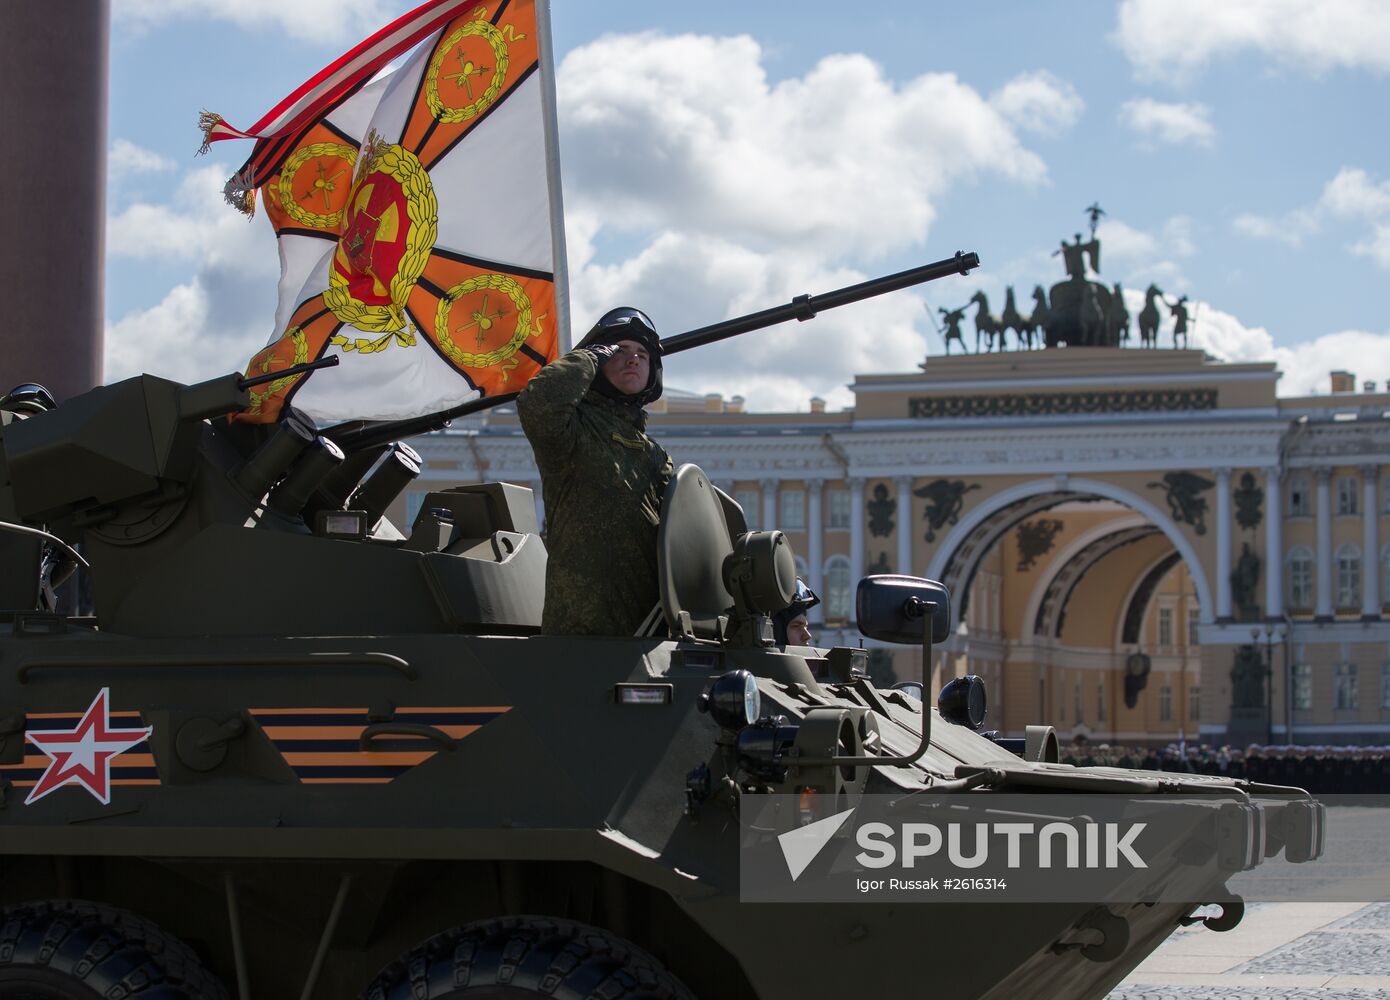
602,479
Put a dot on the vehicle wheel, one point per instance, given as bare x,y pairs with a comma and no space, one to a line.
74,950
518,957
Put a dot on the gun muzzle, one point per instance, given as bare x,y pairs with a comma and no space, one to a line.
317,462
398,470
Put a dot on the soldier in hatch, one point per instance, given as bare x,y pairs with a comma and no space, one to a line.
790,626
602,477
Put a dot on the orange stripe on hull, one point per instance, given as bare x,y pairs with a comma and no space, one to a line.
290,733
387,759
343,781
313,732
308,711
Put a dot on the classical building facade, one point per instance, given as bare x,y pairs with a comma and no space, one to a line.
1141,544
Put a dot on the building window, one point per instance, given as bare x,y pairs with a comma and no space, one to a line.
1348,490
837,509
1165,704
1385,685
1100,701
1344,693
1303,687
1194,616
1165,627
1080,711
1194,703
1385,495
793,511
1300,502
837,589
1348,577
748,500
1300,577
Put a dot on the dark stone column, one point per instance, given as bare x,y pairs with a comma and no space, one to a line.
53,86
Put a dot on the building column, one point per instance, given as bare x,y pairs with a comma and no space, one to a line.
769,521
1322,497
1370,544
856,532
1223,545
1274,544
815,557
904,484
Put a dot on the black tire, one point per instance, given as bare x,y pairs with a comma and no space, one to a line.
518,957
74,950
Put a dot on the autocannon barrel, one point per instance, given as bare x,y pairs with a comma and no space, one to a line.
356,435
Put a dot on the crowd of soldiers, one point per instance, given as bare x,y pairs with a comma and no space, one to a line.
1325,770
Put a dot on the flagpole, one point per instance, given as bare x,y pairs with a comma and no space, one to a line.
550,116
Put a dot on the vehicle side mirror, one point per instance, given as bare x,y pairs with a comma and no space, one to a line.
894,608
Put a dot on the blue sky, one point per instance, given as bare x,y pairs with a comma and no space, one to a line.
722,157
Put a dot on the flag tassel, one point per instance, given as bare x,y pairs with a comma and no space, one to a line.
240,193
207,124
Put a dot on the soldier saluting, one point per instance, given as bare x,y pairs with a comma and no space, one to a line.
602,477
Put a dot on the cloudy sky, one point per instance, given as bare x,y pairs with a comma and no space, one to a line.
722,157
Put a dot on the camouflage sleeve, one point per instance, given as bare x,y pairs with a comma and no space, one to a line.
546,406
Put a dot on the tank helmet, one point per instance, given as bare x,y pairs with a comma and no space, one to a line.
627,323
804,600
30,397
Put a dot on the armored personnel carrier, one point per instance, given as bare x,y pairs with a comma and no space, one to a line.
297,752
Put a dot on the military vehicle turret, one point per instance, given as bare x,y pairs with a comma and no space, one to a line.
297,752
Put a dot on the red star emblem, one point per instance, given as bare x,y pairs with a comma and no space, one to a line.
82,756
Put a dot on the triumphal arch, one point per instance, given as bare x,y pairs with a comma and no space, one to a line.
1145,544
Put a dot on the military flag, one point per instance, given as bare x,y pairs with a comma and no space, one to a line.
417,214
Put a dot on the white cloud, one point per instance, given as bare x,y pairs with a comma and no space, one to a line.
1123,242
185,337
1304,367
1350,196
1377,246
127,158
691,136
1177,38
1138,257
1039,102
216,320
1352,193
322,21
1174,124
1290,229
779,368
196,225
698,189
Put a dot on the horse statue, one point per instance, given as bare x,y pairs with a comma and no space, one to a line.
1117,321
1092,316
1012,319
1036,326
1148,317
986,324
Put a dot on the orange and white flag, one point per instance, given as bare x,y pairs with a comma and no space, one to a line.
418,217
